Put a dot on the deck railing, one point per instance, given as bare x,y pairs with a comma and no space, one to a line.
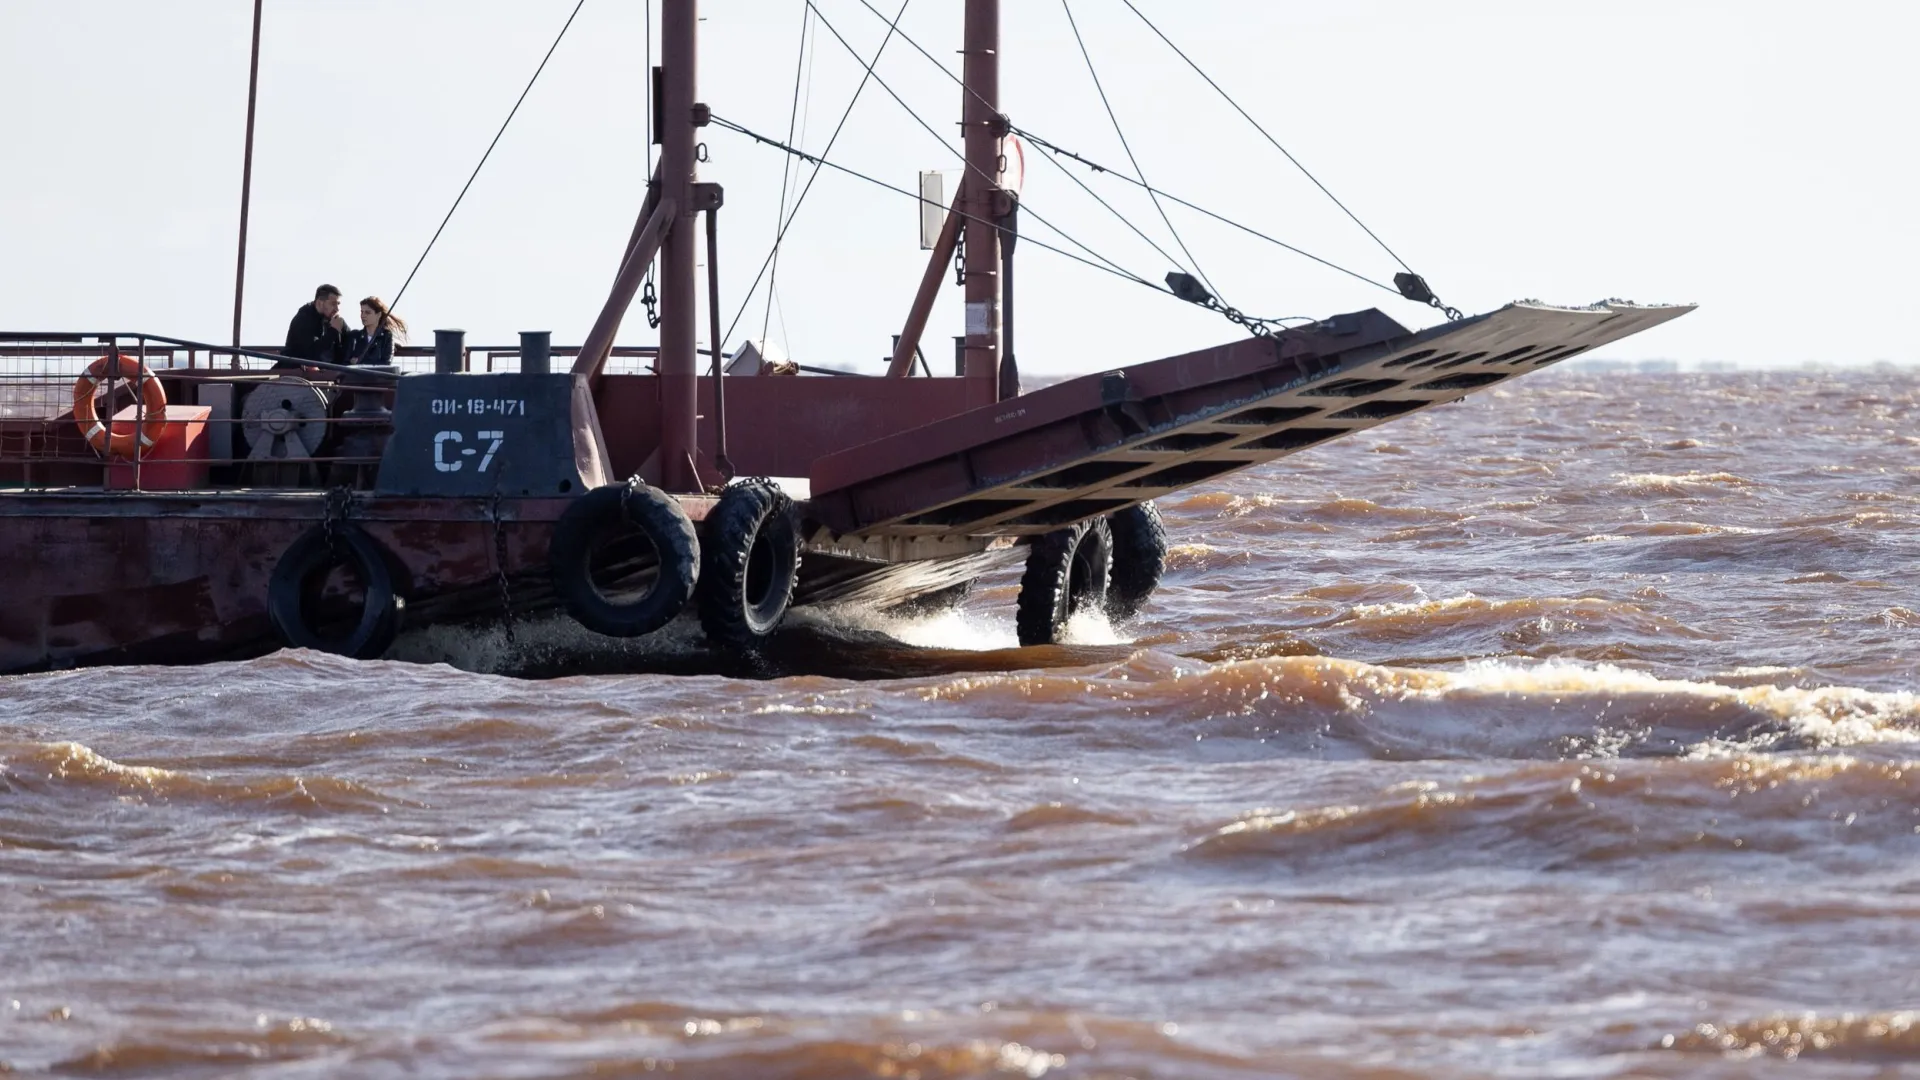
42,447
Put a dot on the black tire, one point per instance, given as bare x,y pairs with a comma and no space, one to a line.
306,618
752,560
1068,571
624,559
1139,558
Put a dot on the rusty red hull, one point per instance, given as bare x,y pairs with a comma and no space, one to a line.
157,578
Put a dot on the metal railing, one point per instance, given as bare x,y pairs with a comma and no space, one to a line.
326,431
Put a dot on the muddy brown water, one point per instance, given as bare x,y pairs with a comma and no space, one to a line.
1568,731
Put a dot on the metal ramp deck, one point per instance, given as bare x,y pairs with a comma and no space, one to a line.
1095,444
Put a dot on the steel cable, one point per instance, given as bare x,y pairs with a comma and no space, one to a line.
483,157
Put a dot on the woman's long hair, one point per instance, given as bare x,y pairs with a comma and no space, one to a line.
393,322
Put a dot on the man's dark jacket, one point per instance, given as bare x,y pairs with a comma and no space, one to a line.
311,337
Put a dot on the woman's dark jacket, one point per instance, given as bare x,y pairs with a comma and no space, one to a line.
360,351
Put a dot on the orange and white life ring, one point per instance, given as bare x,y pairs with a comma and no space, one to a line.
103,436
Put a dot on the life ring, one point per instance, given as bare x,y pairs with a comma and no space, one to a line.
751,563
101,435
1068,571
1139,558
301,612
624,559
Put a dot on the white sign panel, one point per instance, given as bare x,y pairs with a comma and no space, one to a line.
933,208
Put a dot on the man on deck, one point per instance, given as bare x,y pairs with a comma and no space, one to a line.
317,331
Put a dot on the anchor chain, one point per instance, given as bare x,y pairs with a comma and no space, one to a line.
651,300
500,567
338,503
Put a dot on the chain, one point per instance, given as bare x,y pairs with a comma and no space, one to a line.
1255,326
339,502
1452,313
652,301
960,258
500,565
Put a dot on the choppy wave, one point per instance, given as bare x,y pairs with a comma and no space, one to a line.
1567,816
1493,709
1882,1038
1572,732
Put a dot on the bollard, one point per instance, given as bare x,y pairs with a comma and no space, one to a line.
449,352
536,352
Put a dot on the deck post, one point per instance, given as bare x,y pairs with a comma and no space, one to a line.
984,128
679,362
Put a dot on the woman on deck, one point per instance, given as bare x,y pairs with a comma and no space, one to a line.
373,342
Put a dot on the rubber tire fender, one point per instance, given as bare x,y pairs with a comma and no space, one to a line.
1067,570
311,554
752,549
1139,558
666,526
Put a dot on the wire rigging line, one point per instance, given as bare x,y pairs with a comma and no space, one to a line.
1231,314
916,197
1062,151
1053,148
930,130
962,84
1112,209
788,168
892,29
1269,137
1124,145
489,153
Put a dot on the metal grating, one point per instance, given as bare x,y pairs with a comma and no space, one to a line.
1092,445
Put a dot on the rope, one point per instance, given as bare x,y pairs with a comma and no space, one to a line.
1124,145
489,153
892,29
1263,131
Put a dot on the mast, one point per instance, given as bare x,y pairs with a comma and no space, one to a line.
983,201
678,362
246,182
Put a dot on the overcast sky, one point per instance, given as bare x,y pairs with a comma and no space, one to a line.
1755,157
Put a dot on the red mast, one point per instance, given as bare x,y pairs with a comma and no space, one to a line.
679,360
983,200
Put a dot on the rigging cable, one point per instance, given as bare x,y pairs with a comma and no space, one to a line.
1124,145
962,84
786,170
929,128
1256,324
1410,285
489,153
1054,148
820,162
1269,137
892,29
